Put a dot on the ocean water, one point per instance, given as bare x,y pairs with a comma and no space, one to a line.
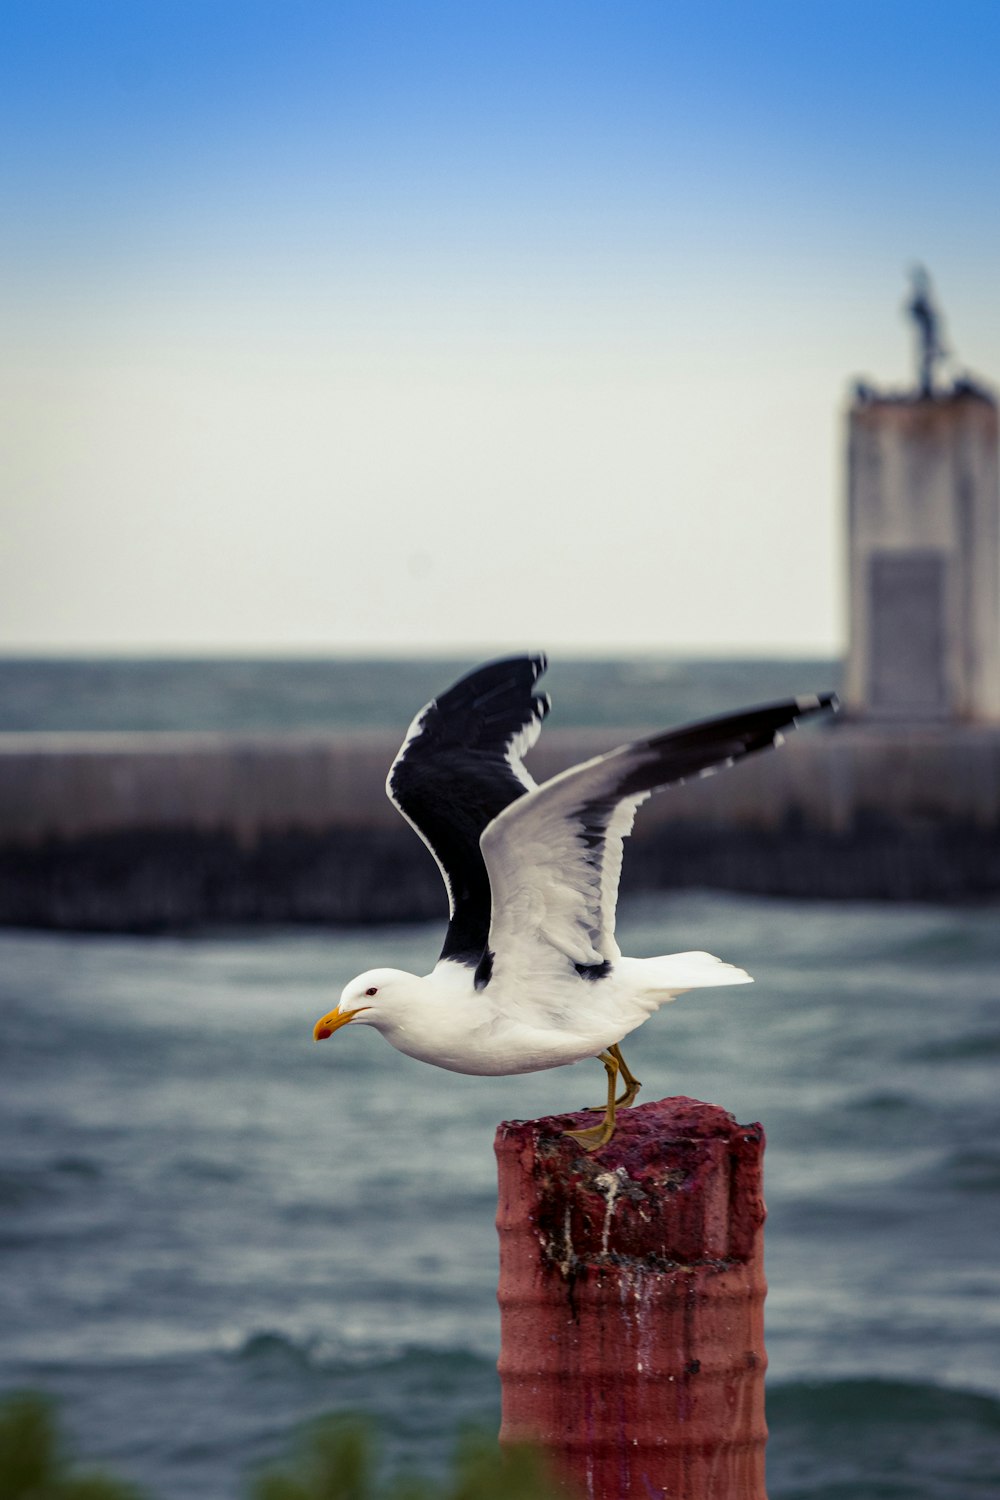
213,1229
336,693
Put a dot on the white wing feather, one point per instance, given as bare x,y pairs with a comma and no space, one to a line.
554,857
551,882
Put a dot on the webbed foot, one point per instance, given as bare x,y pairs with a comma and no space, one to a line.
595,1136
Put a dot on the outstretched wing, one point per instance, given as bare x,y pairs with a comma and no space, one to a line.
555,857
457,769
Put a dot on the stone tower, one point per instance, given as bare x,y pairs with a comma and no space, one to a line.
924,546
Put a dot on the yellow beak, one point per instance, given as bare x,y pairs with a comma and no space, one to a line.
333,1020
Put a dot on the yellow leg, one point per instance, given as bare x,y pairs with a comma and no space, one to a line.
632,1084
599,1135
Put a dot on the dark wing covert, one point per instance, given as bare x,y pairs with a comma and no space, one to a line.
459,766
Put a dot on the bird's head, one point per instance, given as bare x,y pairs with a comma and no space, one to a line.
373,999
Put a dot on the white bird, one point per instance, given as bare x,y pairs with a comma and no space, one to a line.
530,975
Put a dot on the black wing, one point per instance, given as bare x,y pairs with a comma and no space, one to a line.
459,766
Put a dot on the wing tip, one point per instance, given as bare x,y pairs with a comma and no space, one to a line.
805,707
813,703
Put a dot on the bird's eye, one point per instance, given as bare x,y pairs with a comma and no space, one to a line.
372,991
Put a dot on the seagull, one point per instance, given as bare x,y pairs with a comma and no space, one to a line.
530,975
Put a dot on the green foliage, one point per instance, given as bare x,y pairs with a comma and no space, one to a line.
32,1465
336,1461
28,1446
486,1472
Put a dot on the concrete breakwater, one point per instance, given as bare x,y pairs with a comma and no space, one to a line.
142,832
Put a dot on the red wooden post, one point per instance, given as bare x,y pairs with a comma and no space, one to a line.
632,1302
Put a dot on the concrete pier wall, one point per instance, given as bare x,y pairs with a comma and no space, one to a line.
152,831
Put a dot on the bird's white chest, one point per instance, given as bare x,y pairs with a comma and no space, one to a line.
504,1030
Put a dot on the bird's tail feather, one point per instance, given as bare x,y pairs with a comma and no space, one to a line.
677,972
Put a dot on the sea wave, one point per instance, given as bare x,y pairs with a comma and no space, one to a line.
976,1171
221,1233
875,1439
866,1401
975,1046
271,1349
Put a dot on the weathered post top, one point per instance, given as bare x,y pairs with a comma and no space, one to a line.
631,1298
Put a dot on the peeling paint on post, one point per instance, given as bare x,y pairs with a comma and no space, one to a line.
632,1302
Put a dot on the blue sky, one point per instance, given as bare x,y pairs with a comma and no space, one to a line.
404,326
